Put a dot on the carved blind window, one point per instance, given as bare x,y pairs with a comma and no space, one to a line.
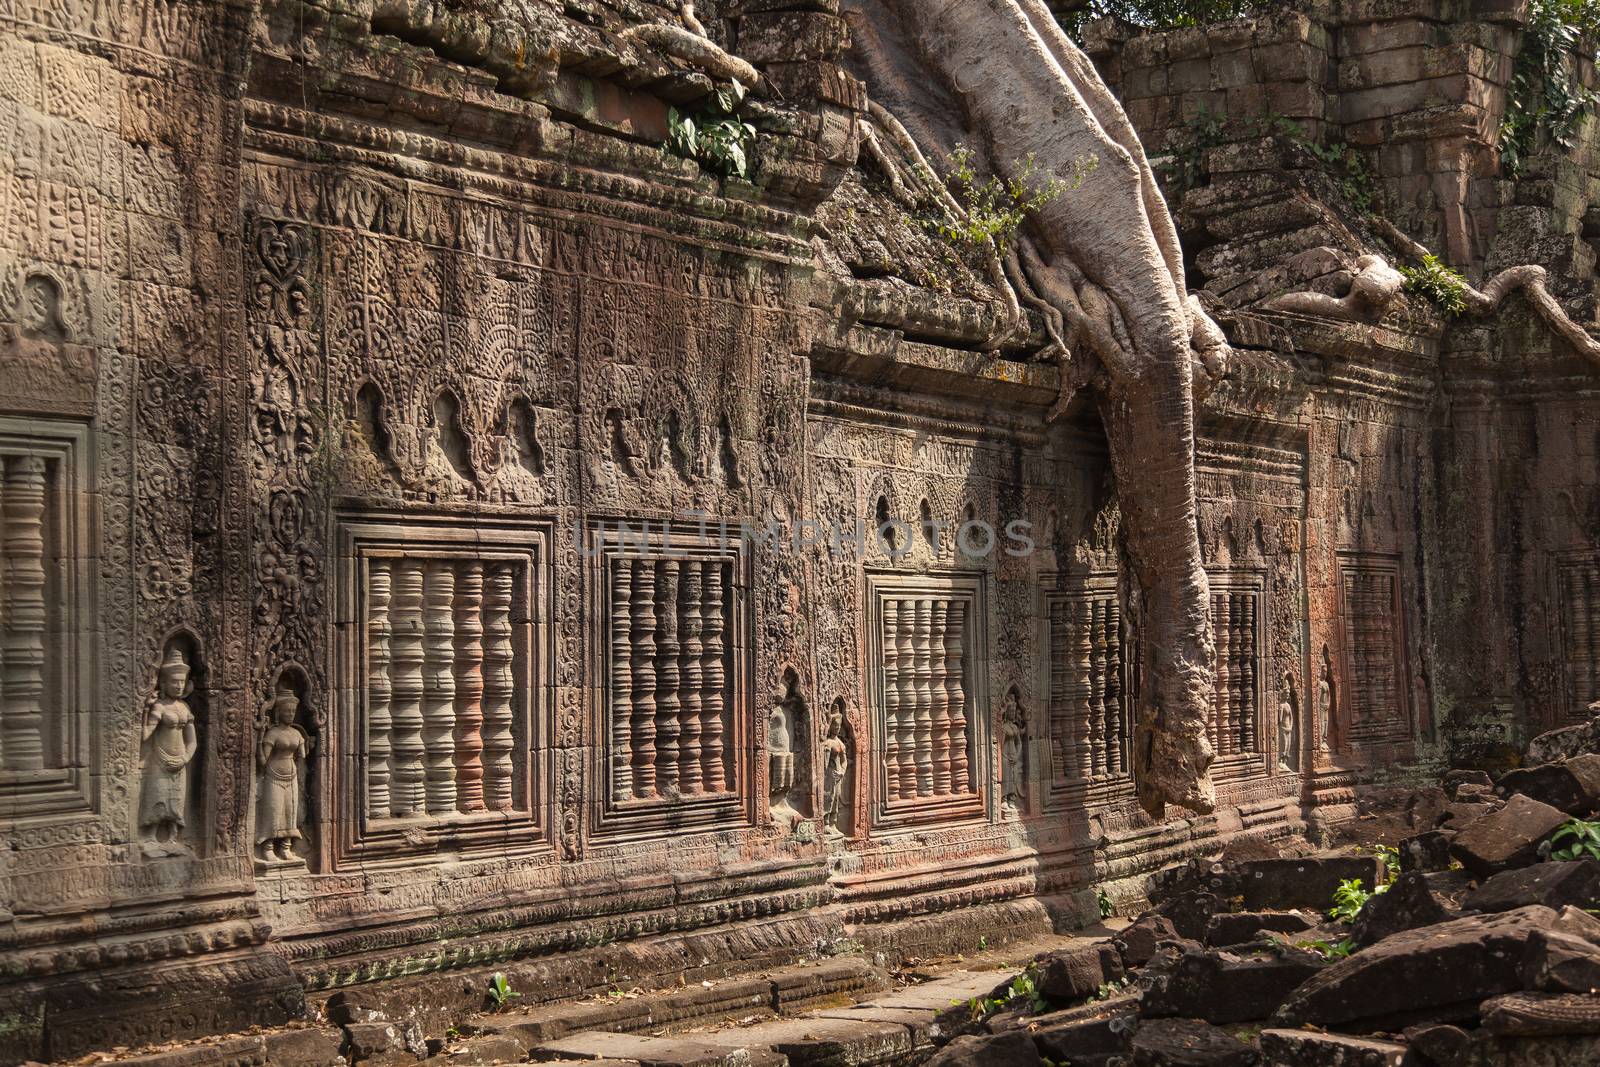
674,680
1088,705
928,713
44,617
442,664
1236,627
1369,595
1579,597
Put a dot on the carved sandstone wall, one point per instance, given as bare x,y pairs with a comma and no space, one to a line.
340,338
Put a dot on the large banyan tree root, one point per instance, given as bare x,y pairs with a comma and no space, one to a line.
1001,77
1377,286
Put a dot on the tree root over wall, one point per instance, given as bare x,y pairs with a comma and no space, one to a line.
1000,77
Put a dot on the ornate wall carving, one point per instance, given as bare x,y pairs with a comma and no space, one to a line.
442,722
676,698
1088,713
1578,601
1375,704
1238,627
46,617
929,691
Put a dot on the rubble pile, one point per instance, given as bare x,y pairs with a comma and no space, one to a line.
1474,942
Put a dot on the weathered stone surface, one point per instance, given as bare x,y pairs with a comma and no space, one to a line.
1407,904
1077,972
1508,838
1536,1014
310,1046
1433,974
1237,928
1567,741
1471,781
1572,785
1139,939
1298,1048
1553,884
1301,883
1189,913
1087,1038
1222,987
1427,851
1188,1043
1000,1050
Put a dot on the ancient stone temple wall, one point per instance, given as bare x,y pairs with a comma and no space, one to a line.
440,531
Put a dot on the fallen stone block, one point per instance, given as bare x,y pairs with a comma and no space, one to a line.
1440,1044
1427,851
366,1040
1300,1048
1567,1050
1555,885
1190,913
1573,786
1077,972
1432,974
1014,1049
310,1046
1508,838
1138,941
1221,987
1238,928
1405,905
1538,1014
689,1051
1470,781
1268,885
1558,962
479,1051
1566,742
814,1041
1090,1035
1189,1043
1460,814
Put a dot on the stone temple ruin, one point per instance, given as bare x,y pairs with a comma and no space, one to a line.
444,532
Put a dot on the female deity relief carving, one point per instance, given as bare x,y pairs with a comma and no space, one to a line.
170,743
1013,741
787,766
280,755
1288,727
835,774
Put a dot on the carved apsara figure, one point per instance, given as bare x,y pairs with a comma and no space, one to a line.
170,742
1288,727
1013,743
780,756
835,774
1325,703
280,753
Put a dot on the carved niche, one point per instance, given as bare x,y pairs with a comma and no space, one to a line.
1238,601
1089,666
928,690
676,679
441,653
1376,703
1578,598
45,618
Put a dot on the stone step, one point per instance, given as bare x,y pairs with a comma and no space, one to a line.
783,991
649,1051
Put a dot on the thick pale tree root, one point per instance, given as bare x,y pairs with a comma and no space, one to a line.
694,49
1377,286
1106,258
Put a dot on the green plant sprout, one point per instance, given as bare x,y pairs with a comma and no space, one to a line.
500,990
1585,840
1444,288
996,209
716,137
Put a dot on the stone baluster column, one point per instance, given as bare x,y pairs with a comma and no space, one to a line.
499,685
923,653
438,688
469,688
621,680
643,660
691,678
22,707
892,668
406,778
939,702
379,722
669,699
962,778
714,677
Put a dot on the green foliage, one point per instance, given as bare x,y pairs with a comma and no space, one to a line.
1108,990
1184,168
1584,840
1441,286
1546,101
716,137
1107,909
500,990
996,209
1022,993
1336,951
1153,14
1350,898
1348,168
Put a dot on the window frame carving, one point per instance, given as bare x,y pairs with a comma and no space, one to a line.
1065,591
